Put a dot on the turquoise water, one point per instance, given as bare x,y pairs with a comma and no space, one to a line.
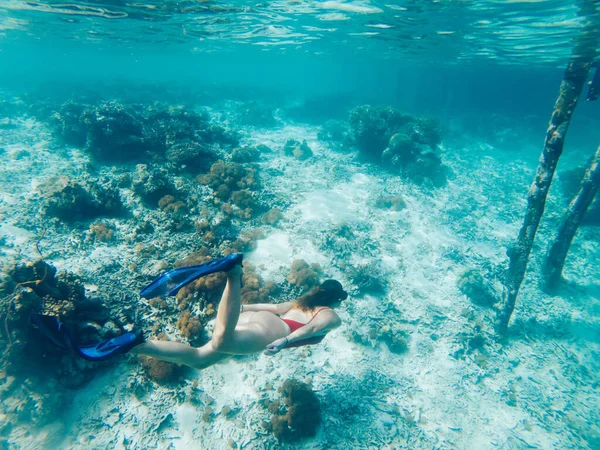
388,145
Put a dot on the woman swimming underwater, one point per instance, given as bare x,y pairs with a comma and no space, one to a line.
239,329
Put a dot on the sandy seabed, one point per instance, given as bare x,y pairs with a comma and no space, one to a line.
538,390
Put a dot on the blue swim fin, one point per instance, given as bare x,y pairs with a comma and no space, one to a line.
169,283
107,349
61,335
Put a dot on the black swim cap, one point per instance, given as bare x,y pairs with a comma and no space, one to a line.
335,288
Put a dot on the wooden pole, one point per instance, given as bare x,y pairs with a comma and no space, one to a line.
555,260
573,82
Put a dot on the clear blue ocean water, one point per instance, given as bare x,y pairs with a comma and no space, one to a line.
388,145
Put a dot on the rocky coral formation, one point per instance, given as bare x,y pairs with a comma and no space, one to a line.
151,183
395,339
34,373
84,200
372,128
39,288
245,242
169,204
272,217
299,416
102,232
254,288
399,141
113,132
297,149
473,285
367,278
190,156
160,371
233,186
190,327
116,133
249,154
303,275
68,123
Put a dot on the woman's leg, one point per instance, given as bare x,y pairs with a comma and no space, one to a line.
179,353
228,312
207,355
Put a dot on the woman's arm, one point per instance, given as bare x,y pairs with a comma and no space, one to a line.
279,308
321,324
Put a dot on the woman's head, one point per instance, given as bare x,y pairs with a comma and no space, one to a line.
329,293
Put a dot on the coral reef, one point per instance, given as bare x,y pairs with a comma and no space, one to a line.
231,175
395,339
84,200
102,232
167,125
372,128
249,154
190,156
299,150
168,204
254,289
151,184
189,326
399,141
367,278
160,371
246,242
301,415
243,199
34,371
272,217
178,213
69,125
113,132
232,184
473,285
303,275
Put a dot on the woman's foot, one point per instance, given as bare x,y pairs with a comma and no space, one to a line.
236,271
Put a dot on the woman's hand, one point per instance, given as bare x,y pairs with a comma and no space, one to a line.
276,346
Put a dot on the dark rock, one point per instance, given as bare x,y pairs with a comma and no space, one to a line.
85,200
